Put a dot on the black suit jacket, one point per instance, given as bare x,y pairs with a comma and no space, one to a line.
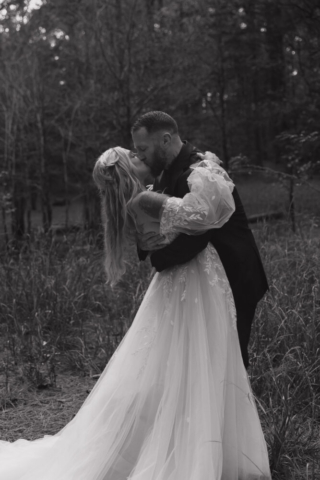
234,241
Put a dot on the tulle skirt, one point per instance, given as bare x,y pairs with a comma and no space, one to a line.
173,403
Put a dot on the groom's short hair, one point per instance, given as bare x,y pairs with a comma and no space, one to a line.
154,122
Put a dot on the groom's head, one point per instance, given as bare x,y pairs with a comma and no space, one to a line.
156,139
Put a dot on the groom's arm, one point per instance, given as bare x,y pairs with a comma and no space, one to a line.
142,254
183,249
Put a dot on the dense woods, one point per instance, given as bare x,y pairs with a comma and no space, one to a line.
242,78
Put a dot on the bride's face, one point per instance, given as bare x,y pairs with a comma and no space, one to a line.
141,170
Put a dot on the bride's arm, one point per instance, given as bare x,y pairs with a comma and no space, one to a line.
151,204
146,209
209,204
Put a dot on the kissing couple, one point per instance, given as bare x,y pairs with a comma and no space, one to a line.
174,402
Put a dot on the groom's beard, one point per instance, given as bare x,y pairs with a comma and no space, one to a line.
159,161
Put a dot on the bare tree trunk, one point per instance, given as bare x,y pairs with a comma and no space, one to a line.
17,185
222,102
5,228
29,225
87,198
44,186
292,213
276,70
66,188
18,227
255,116
86,211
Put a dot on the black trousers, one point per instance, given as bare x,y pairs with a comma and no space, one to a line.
245,316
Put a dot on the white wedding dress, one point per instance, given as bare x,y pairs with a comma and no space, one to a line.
174,402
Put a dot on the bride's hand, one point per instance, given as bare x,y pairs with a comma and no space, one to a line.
209,156
150,241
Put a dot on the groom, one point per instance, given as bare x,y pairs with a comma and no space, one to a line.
159,146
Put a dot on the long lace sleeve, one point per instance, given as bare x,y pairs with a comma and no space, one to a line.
209,204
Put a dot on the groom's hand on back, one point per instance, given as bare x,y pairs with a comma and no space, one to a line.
150,241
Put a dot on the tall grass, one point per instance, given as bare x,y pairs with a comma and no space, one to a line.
285,349
56,312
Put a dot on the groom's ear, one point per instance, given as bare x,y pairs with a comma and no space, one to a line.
166,139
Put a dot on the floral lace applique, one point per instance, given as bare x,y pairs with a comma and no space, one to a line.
214,269
170,236
183,296
232,309
211,259
211,262
167,282
183,279
147,336
213,168
170,219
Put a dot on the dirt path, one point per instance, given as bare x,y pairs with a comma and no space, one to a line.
34,413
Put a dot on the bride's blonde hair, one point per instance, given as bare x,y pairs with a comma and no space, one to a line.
118,185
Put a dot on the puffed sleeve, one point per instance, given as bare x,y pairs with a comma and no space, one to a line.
209,204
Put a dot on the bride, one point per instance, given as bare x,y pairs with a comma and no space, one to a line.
174,402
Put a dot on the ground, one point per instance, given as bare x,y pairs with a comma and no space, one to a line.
32,413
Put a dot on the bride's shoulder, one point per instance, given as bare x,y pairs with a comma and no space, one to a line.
135,201
139,199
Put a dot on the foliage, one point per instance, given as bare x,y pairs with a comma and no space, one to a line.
286,368
239,76
300,151
55,303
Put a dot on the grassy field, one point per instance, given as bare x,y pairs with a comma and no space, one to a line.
264,194
60,323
